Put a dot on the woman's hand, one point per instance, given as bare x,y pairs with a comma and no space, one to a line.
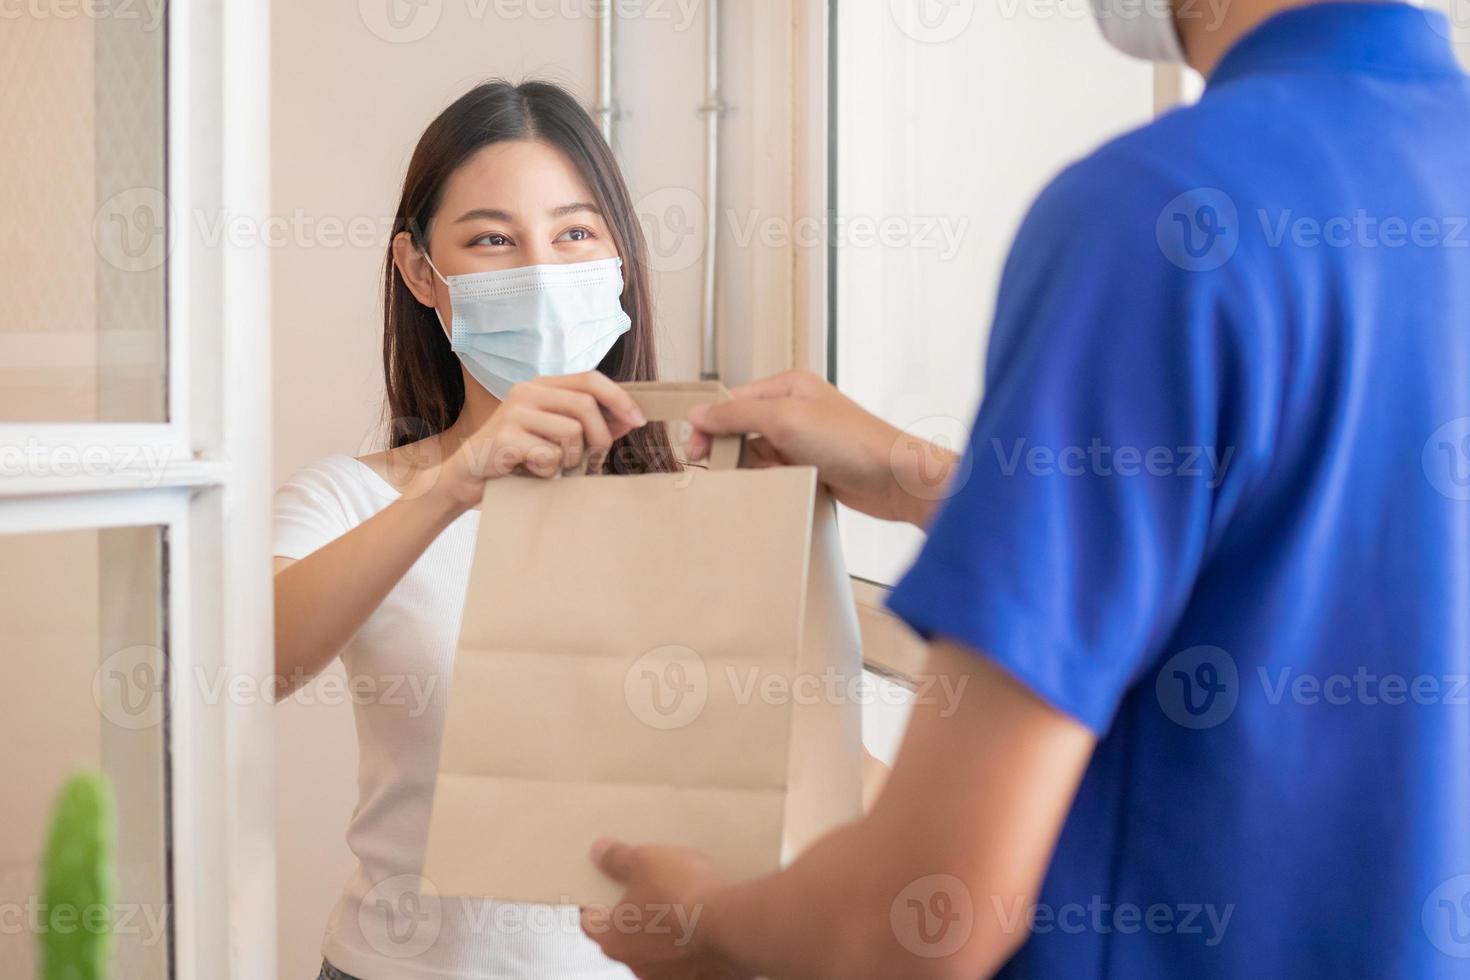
800,419
543,427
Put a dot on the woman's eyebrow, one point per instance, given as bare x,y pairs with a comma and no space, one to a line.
567,209
485,214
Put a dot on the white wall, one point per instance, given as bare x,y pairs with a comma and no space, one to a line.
947,131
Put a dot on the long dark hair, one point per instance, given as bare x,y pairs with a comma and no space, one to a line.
424,383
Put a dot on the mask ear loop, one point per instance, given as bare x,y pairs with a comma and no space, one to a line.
437,315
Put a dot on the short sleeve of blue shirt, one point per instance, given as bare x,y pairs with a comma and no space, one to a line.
1105,450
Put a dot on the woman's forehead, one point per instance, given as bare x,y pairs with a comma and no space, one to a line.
526,178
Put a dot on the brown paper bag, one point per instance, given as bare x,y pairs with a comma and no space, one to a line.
667,657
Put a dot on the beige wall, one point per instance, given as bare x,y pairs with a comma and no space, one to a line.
348,105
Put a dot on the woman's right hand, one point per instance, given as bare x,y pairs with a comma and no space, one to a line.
543,427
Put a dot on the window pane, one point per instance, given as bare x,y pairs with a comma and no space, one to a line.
83,615
950,118
81,179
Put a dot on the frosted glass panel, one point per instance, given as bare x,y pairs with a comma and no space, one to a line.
82,613
86,224
950,118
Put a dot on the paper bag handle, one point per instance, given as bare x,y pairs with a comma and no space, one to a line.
670,401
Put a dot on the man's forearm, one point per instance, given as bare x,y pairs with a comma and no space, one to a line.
923,474
786,925
936,883
830,914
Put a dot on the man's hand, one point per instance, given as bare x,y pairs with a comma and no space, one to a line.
653,928
933,884
799,419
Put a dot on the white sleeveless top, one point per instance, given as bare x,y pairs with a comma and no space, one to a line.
389,923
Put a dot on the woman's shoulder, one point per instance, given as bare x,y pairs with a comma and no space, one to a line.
324,500
345,480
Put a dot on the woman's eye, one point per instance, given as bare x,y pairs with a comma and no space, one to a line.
577,234
494,238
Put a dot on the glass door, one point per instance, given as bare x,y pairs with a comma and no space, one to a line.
134,570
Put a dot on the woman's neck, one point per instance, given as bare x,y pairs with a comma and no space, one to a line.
478,406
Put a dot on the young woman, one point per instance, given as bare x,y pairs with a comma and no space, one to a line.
515,296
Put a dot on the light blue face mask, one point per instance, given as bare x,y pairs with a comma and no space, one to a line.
513,325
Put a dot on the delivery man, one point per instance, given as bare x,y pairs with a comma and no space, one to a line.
1204,567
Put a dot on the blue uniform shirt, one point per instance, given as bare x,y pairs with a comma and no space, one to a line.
1216,505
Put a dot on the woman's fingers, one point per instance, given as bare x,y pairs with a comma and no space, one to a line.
530,451
618,404
562,431
580,414
592,432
